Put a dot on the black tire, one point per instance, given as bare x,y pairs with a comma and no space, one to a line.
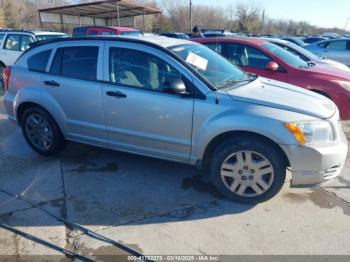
252,143
58,141
2,67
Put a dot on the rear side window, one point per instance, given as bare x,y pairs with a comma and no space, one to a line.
76,62
2,36
38,62
17,42
12,42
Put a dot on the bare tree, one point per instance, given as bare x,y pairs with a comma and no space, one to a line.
249,18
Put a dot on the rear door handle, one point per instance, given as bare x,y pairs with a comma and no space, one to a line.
116,94
51,83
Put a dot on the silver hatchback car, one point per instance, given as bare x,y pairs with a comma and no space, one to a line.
176,100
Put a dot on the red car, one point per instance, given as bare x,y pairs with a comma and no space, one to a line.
104,30
271,61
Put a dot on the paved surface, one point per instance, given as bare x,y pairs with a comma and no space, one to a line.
156,207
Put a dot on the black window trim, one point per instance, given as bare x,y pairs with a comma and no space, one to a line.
193,92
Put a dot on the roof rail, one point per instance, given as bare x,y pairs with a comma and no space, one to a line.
15,30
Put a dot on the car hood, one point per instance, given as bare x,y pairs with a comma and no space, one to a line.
281,95
335,64
328,72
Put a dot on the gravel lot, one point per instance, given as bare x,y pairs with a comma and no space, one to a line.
156,207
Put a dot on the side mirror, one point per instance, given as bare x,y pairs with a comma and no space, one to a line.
272,66
175,87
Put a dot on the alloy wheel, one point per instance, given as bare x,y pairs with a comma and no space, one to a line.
247,173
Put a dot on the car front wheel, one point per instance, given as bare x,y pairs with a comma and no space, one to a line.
248,169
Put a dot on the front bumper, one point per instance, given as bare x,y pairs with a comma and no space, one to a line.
314,165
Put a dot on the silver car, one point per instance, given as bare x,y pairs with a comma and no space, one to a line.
306,55
336,49
180,101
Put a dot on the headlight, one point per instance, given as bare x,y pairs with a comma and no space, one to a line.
313,132
343,84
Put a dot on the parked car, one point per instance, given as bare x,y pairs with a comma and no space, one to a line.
306,55
105,30
336,49
175,35
271,61
294,40
313,39
176,100
14,42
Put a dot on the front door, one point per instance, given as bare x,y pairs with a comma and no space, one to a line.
141,117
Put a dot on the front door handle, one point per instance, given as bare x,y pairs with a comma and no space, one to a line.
51,83
116,94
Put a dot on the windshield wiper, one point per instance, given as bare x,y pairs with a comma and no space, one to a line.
309,64
228,83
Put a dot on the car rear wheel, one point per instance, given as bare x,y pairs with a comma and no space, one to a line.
248,169
41,132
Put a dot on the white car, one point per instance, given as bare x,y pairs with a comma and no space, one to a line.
14,42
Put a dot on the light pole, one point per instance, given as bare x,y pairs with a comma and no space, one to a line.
190,15
346,23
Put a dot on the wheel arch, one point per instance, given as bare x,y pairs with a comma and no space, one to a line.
217,140
26,105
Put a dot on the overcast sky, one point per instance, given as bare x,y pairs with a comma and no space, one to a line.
324,13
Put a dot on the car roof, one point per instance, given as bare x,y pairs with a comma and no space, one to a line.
157,40
123,28
252,41
120,28
276,40
47,33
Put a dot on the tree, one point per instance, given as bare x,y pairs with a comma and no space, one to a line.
249,18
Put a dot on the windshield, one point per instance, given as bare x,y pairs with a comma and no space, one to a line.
286,56
48,37
131,33
295,40
216,69
304,52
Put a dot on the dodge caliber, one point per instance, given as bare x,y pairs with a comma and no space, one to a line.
176,100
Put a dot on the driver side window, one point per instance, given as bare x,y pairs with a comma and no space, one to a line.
243,55
139,69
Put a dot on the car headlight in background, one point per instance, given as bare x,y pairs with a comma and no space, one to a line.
313,132
343,84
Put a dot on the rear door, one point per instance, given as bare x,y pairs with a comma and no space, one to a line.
252,60
73,81
140,116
